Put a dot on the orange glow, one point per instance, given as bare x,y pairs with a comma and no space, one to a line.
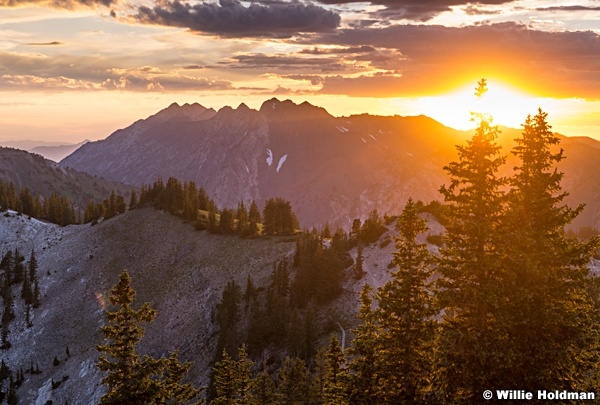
506,105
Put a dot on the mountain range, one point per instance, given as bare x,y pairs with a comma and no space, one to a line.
332,169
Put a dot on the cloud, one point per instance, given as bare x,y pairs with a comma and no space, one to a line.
329,51
327,60
568,8
230,18
53,43
418,10
193,67
283,63
472,9
64,4
436,58
127,82
27,72
313,79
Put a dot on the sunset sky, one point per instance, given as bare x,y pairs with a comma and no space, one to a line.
77,69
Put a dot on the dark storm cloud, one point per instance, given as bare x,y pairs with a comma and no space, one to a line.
418,10
65,4
560,64
230,18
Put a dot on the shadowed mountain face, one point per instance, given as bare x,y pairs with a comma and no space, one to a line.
332,169
44,176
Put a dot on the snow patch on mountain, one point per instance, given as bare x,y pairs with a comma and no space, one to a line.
281,161
269,157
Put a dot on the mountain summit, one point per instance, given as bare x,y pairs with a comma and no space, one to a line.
332,169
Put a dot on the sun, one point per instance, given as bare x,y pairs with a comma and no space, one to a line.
506,105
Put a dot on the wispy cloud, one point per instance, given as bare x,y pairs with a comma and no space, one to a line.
568,8
27,72
64,4
53,43
419,10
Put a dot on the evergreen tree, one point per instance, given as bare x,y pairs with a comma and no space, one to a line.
363,380
472,344
243,382
334,389
228,314
191,203
226,222
293,382
224,380
133,201
278,217
358,267
242,220
36,293
233,380
264,388
553,321
132,379
405,317
251,292
254,213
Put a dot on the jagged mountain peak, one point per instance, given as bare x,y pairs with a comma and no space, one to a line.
283,109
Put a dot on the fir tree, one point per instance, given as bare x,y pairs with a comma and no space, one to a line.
132,379
264,388
293,381
242,219
233,380
405,316
228,314
552,316
133,201
363,380
473,284
358,267
334,389
224,380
